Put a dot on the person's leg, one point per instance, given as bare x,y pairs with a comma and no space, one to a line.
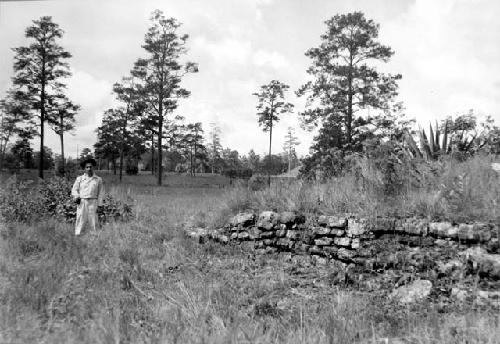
81,217
92,213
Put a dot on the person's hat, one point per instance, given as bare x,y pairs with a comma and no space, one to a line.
86,161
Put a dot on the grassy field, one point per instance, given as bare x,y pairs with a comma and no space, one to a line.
144,282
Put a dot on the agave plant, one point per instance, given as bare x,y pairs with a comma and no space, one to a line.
431,146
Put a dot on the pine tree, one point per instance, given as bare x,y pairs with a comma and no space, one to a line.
38,70
161,73
271,105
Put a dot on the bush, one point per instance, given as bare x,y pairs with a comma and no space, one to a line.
257,183
25,202
132,170
243,173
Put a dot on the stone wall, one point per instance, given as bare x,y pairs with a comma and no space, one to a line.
442,252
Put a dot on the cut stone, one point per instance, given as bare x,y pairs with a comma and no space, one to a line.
345,254
323,242
346,242
415,227
356,227
243,219
321,231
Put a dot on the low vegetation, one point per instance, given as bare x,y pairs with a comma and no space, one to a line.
439,190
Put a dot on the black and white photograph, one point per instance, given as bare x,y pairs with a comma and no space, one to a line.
250,171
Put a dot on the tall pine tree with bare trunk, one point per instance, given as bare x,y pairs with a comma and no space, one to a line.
289,147
161,73
38,71
270,106
62,120
345,85
214,145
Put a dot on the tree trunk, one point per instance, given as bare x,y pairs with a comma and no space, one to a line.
160,150
61,137
121,162
2,155
269,162
121,154
114,164
152,153
42,120
191,160
194,170
289,161
349,102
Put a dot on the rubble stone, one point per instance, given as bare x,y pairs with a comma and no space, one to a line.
243,219
411,293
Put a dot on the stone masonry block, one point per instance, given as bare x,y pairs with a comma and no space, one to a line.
243,219
345,242
323,242
267,220
320,231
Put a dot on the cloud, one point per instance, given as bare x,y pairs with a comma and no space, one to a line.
94,96
225,52
273,59
444,51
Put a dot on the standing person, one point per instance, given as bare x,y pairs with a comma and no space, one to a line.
88,193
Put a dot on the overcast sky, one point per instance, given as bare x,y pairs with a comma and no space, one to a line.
448,52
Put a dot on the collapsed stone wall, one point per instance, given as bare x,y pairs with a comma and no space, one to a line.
446,253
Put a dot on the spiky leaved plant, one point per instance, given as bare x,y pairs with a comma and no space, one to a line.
432,146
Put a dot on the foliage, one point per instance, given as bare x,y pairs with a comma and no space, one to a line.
160,74
39,69
48,158
344,86
214,147
271,105
132,169
461,138
22,151
125,120
25,202
274,165
13,118
240,173
62,120
107,145
194,149
431,146
289,147
257,183
86,153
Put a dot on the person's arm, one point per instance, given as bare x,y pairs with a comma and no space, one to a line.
75,191
100,192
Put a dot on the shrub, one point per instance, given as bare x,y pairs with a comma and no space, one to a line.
243,173
132,170
25,202
257,183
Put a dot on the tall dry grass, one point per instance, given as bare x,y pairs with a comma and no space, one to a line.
144,282
444,190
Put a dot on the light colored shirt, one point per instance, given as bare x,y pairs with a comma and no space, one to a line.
88,187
